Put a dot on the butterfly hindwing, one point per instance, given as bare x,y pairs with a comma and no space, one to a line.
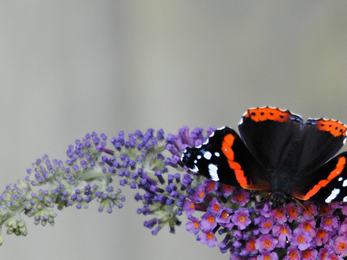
326,184
225,158
270,134
320,139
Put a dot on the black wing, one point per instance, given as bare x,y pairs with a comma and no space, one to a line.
271,135
295,154
326,184
225,158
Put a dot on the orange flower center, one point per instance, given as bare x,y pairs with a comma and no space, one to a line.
301,239
293,212
228,187
328,221
267,243
252,245
216,207
196,224
284,230
342,246
267,257
211,186
225,215
309,209
242,218
307,226
192,205
279,213
321,233
293,255
306,254
240,198
324,209
211,219
202,194
268,225
209,235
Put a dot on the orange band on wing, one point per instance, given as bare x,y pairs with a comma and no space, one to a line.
334,127
227,144
333,174
268,113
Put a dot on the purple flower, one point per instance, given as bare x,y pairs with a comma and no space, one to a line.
343,228
321,237
215,207
193,226
265,243
309,226
199,194
208,222
293,211
340,246
207,238
292,253
325,209
250,246
326,254
227,189
278,215
265,211
309,254
265,225
311,208
241,218
225,216
189,207
329,223
240,197
267,256
211,186
282,232
344,210
301,239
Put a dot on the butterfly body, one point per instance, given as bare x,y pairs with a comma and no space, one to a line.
276,152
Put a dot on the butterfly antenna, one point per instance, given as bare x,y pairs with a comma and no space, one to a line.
302,205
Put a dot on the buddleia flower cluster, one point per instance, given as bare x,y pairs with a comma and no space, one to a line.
238,221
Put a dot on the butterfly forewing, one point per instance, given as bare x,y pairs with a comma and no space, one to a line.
225,158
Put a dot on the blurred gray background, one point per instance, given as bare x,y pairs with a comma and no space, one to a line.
71,67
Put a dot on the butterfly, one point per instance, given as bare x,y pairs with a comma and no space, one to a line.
276,152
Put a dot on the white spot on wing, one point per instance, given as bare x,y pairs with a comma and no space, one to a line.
340,179
344,184
195,169
198,157
213,172
207,155
344,199
217,154
333,195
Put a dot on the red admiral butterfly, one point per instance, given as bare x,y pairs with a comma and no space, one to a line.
276,152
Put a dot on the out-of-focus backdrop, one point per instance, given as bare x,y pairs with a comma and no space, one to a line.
71,67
